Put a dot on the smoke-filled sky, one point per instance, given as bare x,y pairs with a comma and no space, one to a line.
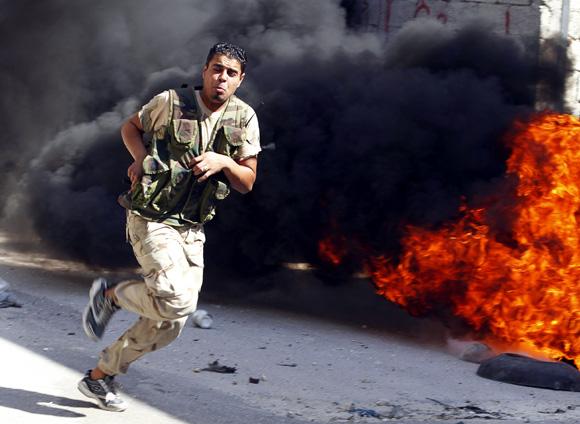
363,136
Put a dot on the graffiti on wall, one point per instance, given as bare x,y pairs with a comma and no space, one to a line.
422,8
388,15
509,2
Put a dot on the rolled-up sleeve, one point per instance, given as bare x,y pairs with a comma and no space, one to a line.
154,116
251,146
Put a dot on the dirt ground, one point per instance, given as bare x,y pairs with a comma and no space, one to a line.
316,353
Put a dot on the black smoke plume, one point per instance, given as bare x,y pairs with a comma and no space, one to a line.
361,136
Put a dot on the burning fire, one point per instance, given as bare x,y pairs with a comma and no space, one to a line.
332,249
520,289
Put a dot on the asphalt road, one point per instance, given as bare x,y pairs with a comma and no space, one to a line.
321,354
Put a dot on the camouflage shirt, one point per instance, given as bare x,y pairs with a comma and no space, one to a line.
181,127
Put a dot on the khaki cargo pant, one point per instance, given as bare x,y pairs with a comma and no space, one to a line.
172,262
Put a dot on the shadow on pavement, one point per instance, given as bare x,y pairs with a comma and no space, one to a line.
41,403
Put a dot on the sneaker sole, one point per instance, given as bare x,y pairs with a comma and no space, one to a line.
83,388
88,330
95,288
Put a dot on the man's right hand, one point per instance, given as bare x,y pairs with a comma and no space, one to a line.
132,134
135,172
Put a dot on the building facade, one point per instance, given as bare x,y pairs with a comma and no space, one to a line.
531,21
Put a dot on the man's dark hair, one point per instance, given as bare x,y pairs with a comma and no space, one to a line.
230,50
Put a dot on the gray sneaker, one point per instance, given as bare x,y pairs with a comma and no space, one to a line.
103,391
99,311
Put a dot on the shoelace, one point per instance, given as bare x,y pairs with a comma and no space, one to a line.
104,385
112,384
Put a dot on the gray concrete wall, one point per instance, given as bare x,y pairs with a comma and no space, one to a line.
531,21
573,37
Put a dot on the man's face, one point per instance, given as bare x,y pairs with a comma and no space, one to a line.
221,78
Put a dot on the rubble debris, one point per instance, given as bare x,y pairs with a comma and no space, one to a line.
396,412
474,411
291,365
556,411
254,380
202,319
7,299
525,371
477,353
365,412
215,366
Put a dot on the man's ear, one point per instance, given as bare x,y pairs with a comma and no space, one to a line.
242,76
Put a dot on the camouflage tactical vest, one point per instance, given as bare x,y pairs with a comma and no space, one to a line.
169,191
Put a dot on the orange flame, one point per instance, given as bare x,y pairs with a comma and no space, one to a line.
525,292
332,249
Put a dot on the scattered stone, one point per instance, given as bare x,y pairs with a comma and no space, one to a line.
7,300
477,353
396,412
365,412
291,365
215,366
556,411
254,380
473,410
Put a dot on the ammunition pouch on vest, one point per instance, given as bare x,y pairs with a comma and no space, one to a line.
169,191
